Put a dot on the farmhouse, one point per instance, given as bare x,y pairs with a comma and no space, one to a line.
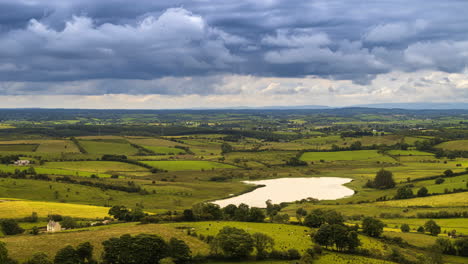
22,162
53,226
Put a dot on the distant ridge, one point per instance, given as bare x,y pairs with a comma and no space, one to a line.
417,106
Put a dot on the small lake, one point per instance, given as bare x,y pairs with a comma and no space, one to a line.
290,190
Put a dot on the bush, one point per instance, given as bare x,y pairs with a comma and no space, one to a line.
405,228
293,254
11,227
372,227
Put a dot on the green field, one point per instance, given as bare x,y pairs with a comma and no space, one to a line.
165,150
454,145
182,165
361,155
108,146
18,147
409,153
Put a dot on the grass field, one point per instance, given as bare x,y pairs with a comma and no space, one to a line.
446,200
181,165
97,167
367,155
454,145
409,153
18,147
164,150
22,208
110,146
458,224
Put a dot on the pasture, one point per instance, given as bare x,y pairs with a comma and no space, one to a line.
454,145
183,165
359,155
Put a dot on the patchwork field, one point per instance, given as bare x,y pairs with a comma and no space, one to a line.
23,247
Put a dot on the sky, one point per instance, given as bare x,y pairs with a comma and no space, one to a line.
225,53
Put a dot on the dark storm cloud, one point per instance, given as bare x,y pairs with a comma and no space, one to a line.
80,40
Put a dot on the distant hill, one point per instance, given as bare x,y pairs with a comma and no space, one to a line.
417,106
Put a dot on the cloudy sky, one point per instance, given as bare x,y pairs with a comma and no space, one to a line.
219,53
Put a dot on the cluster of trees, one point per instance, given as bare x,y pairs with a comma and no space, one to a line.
342,237
145,249
209,211
295,162
237,244
442,214
131,187
356,134
8,159
122,213
383,180
453,247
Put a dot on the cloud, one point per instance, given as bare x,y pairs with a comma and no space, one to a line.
228,48
395,32
175,43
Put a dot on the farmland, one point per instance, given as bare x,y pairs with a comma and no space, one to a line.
165,164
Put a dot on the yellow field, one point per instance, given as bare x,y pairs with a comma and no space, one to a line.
446,200
21,208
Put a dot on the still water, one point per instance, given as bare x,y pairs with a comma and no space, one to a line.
290,190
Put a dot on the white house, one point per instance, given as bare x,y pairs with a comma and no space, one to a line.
53,226
22,162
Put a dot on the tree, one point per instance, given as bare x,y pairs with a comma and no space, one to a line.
421,229
404,192
85,252
405,228
226,148
306,259
67,255
229,212
39,258
300,213
423,192
207,211
448,172
68,222
315,219
188,215
11,227
439,181
179,251
372,227
4,258
446,246
432,227
242,212
139,249
256,215
383,180
461,245
353,240
333,217
323,236
262,244
234,243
